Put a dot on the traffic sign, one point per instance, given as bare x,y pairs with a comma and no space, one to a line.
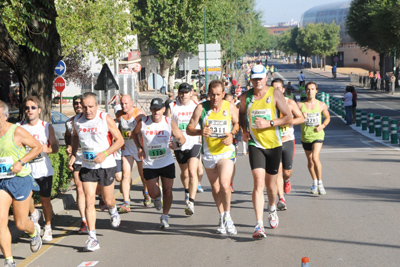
137,67
374,58
106,80
155,81
124,71
59,84
60,68
336,59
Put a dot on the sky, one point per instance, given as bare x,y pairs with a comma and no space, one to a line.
275,11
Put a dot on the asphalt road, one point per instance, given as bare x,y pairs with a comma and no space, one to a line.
354,224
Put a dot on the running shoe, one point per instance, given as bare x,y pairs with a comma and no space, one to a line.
35,216
221,227
314,189
36,241
125,208
115,220
259,232
281,204
321,189
102,204
164,222
287,186
200,189
146,200
230,227
9,263
273,219
190,208
158,203
232,188
92,244
83,229
47,235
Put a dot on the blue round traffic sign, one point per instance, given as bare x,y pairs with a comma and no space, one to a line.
60,68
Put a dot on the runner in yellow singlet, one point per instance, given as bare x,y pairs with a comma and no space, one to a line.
219,123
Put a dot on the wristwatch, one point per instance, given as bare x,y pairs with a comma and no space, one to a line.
272,123
22,163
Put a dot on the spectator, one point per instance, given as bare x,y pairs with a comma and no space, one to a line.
334,72
348,104
354,93
302,79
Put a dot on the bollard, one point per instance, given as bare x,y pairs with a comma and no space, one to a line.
334,105
358,117
363,120
322,97
385,128
378,127
327,100
393,132
343,110
371,122
305,262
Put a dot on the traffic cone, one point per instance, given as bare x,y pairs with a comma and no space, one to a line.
305,262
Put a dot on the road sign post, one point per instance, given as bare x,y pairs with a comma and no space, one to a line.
59,85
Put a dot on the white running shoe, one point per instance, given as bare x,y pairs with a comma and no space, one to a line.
314,190
9,263
35,216
186,197
164,222
36,241
115,220
47,234
321,189
158,204
230,227
190,208
221,227
281,204
273,219
259,232
92,244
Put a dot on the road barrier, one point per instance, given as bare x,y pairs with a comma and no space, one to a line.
385,128
371,125
378,127
358,117
364,121
393,132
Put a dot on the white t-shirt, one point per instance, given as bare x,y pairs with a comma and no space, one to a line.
348,99
70,127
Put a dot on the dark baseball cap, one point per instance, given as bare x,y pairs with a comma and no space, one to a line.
184,87
157,103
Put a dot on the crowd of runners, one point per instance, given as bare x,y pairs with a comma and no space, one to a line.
103,151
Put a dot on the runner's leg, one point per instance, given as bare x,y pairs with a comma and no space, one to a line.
167,184
259,175
5,235
90,196
127,165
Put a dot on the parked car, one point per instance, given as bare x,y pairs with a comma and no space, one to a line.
57,120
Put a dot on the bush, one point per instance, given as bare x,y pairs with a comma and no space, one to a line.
62,175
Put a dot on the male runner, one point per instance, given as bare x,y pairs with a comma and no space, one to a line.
16,183
189,154
42,170
219,123
287,134
156,131
260,105
80,195
95,131
128,118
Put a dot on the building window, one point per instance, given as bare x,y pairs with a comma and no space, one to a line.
355,59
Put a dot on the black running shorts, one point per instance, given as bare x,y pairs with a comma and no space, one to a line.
45,184
287,154
104,177
308,146
182,157
167,172
268,159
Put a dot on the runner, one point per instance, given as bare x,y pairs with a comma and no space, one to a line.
80,195
42,170
312,134
16,183
219,123
95,130
189,154
287,134
128,118
261,105
156,131
289,92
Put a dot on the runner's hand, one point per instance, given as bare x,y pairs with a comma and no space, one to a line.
228,139
69,151
16,167
261,123
141,154
206,131
100,157
71,163
245,136
319,128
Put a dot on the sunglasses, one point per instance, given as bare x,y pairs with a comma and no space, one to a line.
33,108
77,103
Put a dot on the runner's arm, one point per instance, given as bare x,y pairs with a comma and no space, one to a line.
117,136
68,139
242,114
280,103
136,135
177,133
23,138
194,120
53,146
298,116
327,117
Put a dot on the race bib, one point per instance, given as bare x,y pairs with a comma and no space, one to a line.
39,158
219,128
182,124
157,151
89,155
260,113
126,133
312,119
5,164
284,130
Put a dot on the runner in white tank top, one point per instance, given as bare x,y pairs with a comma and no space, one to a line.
128,118
42,170
155,152
80,195
95,131
188,156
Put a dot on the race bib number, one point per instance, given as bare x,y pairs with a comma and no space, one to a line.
89,155
126,133
157,152
219,128
260,113
182,124
39,158
284,130
312,119
5,164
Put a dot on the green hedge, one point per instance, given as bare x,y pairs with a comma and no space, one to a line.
62,175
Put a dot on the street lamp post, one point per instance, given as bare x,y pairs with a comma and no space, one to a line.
230,37
205,48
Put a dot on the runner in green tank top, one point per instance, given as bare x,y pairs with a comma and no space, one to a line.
312,135
16,183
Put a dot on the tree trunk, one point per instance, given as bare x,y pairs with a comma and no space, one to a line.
35,71
382,69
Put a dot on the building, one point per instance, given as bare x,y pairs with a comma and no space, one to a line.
350,54
282,27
